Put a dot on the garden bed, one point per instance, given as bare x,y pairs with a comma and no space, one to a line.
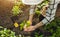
7,21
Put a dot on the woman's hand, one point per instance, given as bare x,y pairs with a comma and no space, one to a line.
29,29
32,28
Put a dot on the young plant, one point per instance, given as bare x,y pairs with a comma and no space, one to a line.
24,23
27,23
38,35
7,33
17,8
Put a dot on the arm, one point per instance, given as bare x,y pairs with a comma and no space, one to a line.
31,14
44,14
30,18
50,14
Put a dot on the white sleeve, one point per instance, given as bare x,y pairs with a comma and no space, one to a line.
31,10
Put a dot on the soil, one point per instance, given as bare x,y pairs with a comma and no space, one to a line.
7,19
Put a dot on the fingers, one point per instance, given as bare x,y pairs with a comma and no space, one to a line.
46,5
25,27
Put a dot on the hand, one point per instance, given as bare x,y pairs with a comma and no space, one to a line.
29,29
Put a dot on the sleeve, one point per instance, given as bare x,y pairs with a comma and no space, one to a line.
50,13
31,9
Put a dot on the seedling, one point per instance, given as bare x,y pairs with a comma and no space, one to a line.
27,24
17,8
22,25
7,33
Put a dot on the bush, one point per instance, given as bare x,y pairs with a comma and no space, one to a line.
7,33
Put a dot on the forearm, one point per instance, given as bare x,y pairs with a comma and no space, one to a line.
31,13
31,18
39,25
43,13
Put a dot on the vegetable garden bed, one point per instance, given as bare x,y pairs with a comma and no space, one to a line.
50,30
7,20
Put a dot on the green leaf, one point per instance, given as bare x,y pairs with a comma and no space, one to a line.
22,25
41,36
7,33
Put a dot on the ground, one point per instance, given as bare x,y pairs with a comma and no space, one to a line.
6,15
